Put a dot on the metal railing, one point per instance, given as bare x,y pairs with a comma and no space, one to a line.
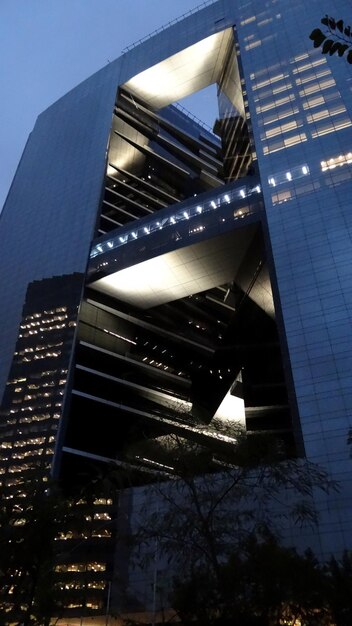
168,24
193,117
173,215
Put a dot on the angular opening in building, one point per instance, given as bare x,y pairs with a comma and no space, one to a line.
177,332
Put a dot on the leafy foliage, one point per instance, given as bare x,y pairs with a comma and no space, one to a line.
28,528
266,584
40,535
339,589
203,517
263,584
335,38
221,529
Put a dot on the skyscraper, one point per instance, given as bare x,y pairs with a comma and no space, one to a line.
157,274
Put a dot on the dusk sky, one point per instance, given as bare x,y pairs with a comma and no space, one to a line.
49,46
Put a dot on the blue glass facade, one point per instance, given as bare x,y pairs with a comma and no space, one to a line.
300,108
49,216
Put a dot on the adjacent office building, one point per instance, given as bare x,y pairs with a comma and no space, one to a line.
158,276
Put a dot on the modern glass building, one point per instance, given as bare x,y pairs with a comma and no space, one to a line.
158,276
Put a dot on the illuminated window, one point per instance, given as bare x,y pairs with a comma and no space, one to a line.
105,501
265,22
285,87
310,77
314,102
253,44
269,81
96,567
342,159
331,127
326,84
102,516
278,178
97,584
274,117
81,567
315,117
6,444
249,20
308,66
300,57
103,532
285,128
285,143
275,103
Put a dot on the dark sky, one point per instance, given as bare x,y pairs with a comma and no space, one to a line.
49,46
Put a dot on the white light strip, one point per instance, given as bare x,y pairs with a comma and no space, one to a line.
109,332
342,159
179,215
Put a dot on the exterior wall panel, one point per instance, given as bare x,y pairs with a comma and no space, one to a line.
300,107
48,220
